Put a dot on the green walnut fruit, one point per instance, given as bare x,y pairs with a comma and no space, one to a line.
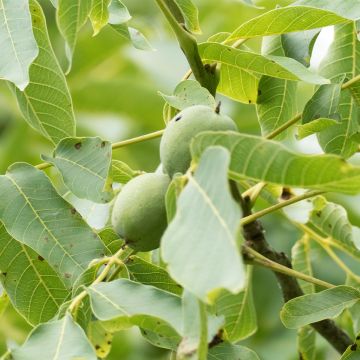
139,214
175,143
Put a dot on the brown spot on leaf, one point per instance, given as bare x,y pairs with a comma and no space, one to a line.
318,213
78,145
40,258
73,211
67,275
103,144
353,347
4,273
97,347
286,194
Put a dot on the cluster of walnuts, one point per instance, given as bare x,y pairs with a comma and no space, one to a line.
139,213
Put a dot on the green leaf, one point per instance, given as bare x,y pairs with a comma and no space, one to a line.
305,16
300,254
34,214
265,160
324,103
239,311
343,58
276,97
150,274
99,14
46,102
301,262
121,172
311,308
138,39
100,338
174,190
227,351
188,93
204,233
62,339
314,126
299,45
33,286
306,342
111,240
190,14
84,164
71,16
18,45
199,328
353,351
330,221
118,12
132,303
275,66
354,310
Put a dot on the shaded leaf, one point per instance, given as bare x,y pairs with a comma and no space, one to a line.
84,164
204,232
227,351
150,274
137,39
330,220
314,126
71,16
311,308
303,15
46,102
111,240
343,58
121,172
62,339
276,97
131,303
33,286
189,12
188,93
34,214
100,338
18,45
239,311
306,342
174,190
299,45
265,160
118,12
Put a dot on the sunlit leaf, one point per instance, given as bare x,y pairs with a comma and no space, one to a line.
138,39
33,286
304,15
204,232
99,14
311,308
62,339
46,102
34,214
315,126
84,164
100,338
265,160
18,45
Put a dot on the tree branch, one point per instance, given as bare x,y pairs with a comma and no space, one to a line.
255,239
204,74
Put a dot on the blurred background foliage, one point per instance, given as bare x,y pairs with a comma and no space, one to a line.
114,88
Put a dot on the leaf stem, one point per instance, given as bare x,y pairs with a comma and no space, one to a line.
283,127
115,259
204,74
350,82
250,218
259,259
